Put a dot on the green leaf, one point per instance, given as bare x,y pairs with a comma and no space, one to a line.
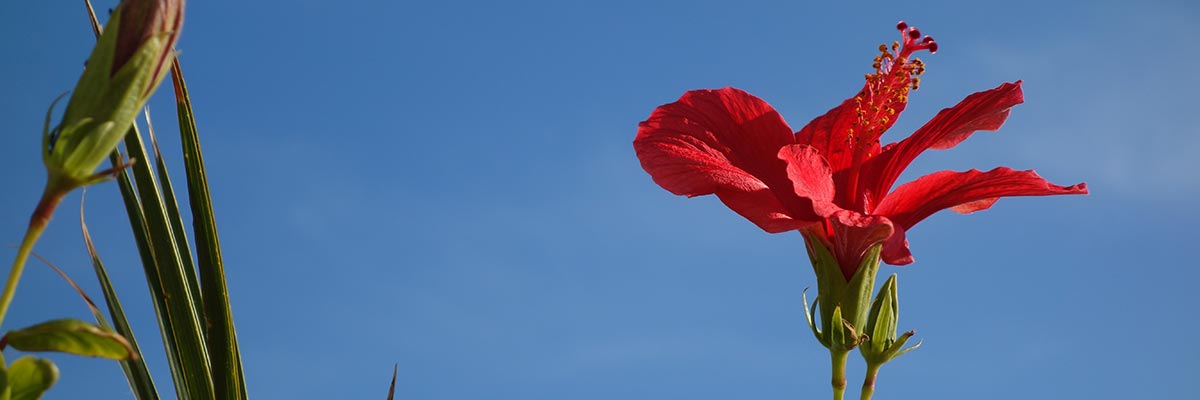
136,373
30,377
179,318
228,380
71,336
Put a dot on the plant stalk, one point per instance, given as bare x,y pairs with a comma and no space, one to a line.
839,373
37,224
868,388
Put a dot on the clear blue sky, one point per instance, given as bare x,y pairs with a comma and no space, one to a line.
450,186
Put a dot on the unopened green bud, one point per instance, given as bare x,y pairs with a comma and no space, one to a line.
882,344
130,59
881,321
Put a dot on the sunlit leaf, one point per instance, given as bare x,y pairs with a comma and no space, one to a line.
70,336
30,377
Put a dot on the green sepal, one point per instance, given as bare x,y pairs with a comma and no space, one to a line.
849,298
71,336
129,89
858,295
897,349
30,377
837,335
47,137
808,315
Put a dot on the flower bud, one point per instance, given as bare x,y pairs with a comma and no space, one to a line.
130,59
142,21
882,344
881,321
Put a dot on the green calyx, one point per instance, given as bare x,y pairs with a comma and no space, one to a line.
881,344
102,107
842,304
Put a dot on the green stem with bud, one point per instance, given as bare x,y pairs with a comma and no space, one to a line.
839,373
37,224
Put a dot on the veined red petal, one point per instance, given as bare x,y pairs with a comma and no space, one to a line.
726,142
829,134
964,192
982,111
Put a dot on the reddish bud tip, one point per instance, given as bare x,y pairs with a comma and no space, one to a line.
927,39
901,26
913,33
933,48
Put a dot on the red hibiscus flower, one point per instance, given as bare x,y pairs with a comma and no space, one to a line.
833,180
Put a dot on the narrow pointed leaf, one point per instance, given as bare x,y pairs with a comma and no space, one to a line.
171,206
96,313
141,237
30,377
136,373
222,336
179,319
71,336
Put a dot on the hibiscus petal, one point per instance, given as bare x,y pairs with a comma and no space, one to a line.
964,192
853,234
725,142
810,176
982,111
828,134
895,249
762,208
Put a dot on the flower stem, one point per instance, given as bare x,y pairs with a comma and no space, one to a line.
839,373
37,224
868,388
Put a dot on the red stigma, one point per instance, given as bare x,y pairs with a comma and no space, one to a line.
911,42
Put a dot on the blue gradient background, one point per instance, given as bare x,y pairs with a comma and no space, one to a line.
450,186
